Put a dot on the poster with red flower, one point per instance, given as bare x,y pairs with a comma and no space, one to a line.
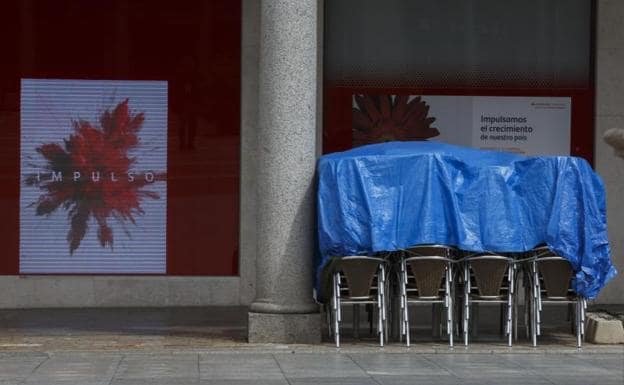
386,118
93,191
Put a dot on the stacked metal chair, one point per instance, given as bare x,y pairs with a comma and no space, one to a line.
426,275
489,278
359,280
550,279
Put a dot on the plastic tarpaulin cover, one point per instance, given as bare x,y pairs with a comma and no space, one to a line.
390,196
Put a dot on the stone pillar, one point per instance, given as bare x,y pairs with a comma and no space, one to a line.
284,311
610,114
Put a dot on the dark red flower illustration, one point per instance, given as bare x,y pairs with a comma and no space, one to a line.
384,118
91,175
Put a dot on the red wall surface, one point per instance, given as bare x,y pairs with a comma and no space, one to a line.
195,46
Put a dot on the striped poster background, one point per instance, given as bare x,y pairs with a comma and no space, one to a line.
48,107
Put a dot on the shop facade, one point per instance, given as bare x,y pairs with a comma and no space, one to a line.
226,213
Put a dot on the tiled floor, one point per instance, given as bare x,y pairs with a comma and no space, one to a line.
207,346
310,368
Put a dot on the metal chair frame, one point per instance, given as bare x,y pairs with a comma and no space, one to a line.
338,300
508,299
447,297
540,297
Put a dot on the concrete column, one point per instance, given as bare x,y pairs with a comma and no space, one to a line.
284,311
610,114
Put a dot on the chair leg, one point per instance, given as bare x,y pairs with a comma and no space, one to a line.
535,293
510,301
384,304
583,314
528,292
515,305
466,318
401,305
538,300
449,304
380,318
577,321
406,324
337,309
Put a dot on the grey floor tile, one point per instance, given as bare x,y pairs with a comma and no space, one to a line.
417,380
78,368
555,364
585,380
10,382
239,367
486,379
17,368
156,381
311,365
479,365
607,361
179,366
333,381
258,381
398,364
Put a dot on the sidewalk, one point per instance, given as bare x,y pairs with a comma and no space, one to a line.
168,368
207,346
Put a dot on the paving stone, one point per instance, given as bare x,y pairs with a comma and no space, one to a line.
478,365
333,381
608,361
19,367
80,368
398,364
161,366
585,380
236,367
417,380
257,381
555,364
311,365
239,367
156,381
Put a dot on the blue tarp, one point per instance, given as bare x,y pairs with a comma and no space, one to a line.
390,196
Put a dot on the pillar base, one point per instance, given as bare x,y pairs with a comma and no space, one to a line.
284,328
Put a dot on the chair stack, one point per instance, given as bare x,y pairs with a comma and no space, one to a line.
550,277
489,278
359,280
432,274
426,276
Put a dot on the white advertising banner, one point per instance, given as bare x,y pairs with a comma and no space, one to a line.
93,193
522,124
526,125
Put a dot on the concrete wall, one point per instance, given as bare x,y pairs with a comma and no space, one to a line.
610,113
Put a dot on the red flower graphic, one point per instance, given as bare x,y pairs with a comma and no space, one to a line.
96,178
382,118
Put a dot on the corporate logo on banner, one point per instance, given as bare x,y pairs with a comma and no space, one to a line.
94,164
